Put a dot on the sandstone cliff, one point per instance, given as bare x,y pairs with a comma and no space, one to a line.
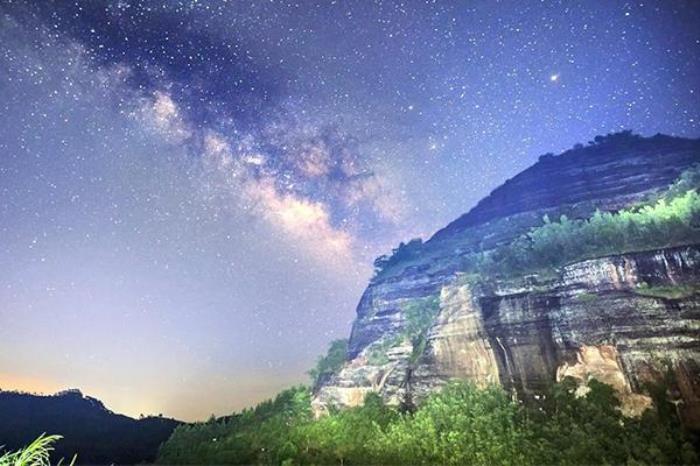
625,319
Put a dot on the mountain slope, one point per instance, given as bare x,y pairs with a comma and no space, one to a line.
629,318
615,171
95,434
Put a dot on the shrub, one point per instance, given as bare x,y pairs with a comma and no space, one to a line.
666,223
462,424
404,252
419,317
332,362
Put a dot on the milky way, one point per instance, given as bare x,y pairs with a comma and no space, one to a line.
192,193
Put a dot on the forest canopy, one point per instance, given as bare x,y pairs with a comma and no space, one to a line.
460,425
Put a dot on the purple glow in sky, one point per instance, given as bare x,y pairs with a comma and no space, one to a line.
192,193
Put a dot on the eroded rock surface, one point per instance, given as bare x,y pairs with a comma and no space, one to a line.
598,318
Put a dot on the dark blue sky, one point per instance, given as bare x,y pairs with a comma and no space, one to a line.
192,192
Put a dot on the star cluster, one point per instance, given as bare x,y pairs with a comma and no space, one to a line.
192,192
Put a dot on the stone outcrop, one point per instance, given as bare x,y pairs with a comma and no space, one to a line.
606,318
602,363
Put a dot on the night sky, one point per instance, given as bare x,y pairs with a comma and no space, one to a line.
192,193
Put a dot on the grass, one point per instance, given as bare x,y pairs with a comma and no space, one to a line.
37,453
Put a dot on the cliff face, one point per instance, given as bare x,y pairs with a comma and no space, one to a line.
625,319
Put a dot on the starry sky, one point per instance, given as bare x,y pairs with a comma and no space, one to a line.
192,192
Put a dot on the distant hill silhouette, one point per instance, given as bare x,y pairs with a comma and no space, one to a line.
95,433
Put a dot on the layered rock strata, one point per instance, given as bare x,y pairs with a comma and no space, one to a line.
626,320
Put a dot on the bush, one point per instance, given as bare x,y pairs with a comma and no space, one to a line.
420,315
405,252
331,363
666,223
461,424
259,435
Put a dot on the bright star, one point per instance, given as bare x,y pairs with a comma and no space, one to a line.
554,78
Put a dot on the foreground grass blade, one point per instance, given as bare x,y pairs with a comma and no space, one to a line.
36,453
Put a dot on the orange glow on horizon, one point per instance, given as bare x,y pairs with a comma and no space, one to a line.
185,407
30,384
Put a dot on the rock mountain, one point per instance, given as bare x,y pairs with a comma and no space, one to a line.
628,319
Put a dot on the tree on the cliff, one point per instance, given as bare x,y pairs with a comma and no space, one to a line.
331,362
619,138
404,252
419,315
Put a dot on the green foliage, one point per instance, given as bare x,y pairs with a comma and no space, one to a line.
689,180
592,430
343,437
258,435
405,252
581,235
332,362
663,224
420,315
459,425
37,453
377,353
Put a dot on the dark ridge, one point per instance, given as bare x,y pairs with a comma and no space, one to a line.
94,433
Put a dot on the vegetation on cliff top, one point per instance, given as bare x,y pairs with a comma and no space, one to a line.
460,425
404,252
666,223
665,219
